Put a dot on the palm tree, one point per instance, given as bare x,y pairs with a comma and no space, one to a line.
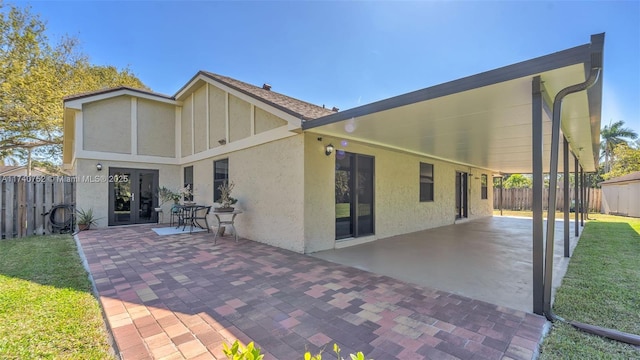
612,135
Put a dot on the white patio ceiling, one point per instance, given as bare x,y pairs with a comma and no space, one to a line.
483,120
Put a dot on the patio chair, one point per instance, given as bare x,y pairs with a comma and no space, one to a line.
175,217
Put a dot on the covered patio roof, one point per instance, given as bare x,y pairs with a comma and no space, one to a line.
484,120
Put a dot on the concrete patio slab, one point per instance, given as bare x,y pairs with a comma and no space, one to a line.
181,297
489,259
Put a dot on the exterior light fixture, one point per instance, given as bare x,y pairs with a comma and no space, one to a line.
328,149
222,141
99,167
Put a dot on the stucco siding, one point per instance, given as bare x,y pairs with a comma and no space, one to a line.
266,121
200,119
269,187
397,205
156,128
319,196
239,118
185,128
95,195
217,116
107,125
68,144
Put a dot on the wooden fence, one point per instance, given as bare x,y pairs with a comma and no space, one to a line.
26,200
521,199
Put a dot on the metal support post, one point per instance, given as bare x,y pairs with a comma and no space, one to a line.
582,187
501,185
538,183
565,184
575,195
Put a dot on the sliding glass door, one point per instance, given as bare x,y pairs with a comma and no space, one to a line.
354,181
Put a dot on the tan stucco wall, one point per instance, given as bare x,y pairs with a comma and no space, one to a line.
95,195
239,118
479,207
269,187
156,128
106,125
397,206
217,116
200,119
186,128
68,143
266,121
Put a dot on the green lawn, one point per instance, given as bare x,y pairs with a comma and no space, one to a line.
601,287
47,310
529,213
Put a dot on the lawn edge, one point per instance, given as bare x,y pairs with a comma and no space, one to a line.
113,347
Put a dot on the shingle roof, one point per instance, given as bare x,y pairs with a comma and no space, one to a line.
623,178
8,168
295,107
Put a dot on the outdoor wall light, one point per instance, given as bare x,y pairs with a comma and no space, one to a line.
222,141
328,149
99,167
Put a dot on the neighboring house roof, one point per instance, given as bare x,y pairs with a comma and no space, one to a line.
21,170
9,168
295,107
624,178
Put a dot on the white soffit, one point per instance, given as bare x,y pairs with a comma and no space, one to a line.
488,127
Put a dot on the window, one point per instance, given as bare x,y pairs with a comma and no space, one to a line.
188,181
220,176
483,191
426,182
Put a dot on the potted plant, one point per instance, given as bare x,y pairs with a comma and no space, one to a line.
85,219
165,195
226,201
186,193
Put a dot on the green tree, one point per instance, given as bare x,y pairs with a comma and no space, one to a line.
35,76
613,135
626,161
517,181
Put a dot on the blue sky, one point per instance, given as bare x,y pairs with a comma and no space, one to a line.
347,54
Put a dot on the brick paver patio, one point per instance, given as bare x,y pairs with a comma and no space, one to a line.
180,296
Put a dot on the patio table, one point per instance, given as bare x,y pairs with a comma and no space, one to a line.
187,215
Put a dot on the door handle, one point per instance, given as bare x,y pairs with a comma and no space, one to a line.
133,196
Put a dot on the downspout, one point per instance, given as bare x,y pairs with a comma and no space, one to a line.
553,181
551,214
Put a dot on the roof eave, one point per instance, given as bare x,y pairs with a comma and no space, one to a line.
526,68
76,101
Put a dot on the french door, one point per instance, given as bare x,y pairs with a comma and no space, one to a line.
462,201
132,196
354,195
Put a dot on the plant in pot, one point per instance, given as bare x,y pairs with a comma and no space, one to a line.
226,201
85,219
186,193
165,195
